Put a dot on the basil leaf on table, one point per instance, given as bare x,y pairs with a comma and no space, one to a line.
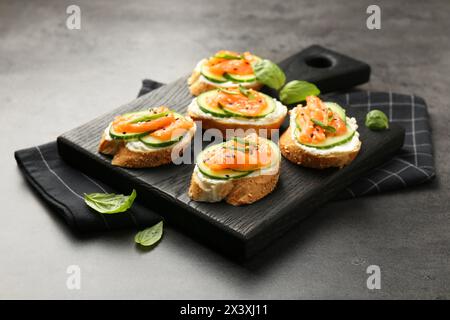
377,120
297,91
149,236
269,74
109,202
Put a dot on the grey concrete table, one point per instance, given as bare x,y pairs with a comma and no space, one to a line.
53,79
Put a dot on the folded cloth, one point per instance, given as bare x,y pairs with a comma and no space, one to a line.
63,188
412,165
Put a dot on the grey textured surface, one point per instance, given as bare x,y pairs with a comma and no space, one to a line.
53,79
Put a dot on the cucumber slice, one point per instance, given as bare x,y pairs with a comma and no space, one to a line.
141,116
207,107
136,113
270,107
157,143
211,76
240,77
223,174
329,142
221,111
337,109
125,135
226,174
276,157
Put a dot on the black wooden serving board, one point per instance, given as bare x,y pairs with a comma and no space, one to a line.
239,232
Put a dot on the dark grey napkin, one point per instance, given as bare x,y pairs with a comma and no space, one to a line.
414,163
62,187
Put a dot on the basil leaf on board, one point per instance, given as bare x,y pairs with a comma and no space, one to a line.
149,236
109,202
377,120
297,91
269,74
324,126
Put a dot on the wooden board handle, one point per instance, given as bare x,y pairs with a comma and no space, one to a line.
327,69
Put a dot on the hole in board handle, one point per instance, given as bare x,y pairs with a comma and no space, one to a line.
320,62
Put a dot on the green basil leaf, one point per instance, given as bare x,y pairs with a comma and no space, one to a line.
269,74
109,202
377,120
149,236
297,91
324,126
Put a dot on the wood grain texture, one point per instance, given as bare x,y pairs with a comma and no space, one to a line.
239,232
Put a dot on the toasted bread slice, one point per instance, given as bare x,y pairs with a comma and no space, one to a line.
235,192
262,126
124,156
302,156
197,86
236,189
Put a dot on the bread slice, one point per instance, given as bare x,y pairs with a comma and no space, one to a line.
239,190
301,156
236,192
263,127
127,158
197,86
